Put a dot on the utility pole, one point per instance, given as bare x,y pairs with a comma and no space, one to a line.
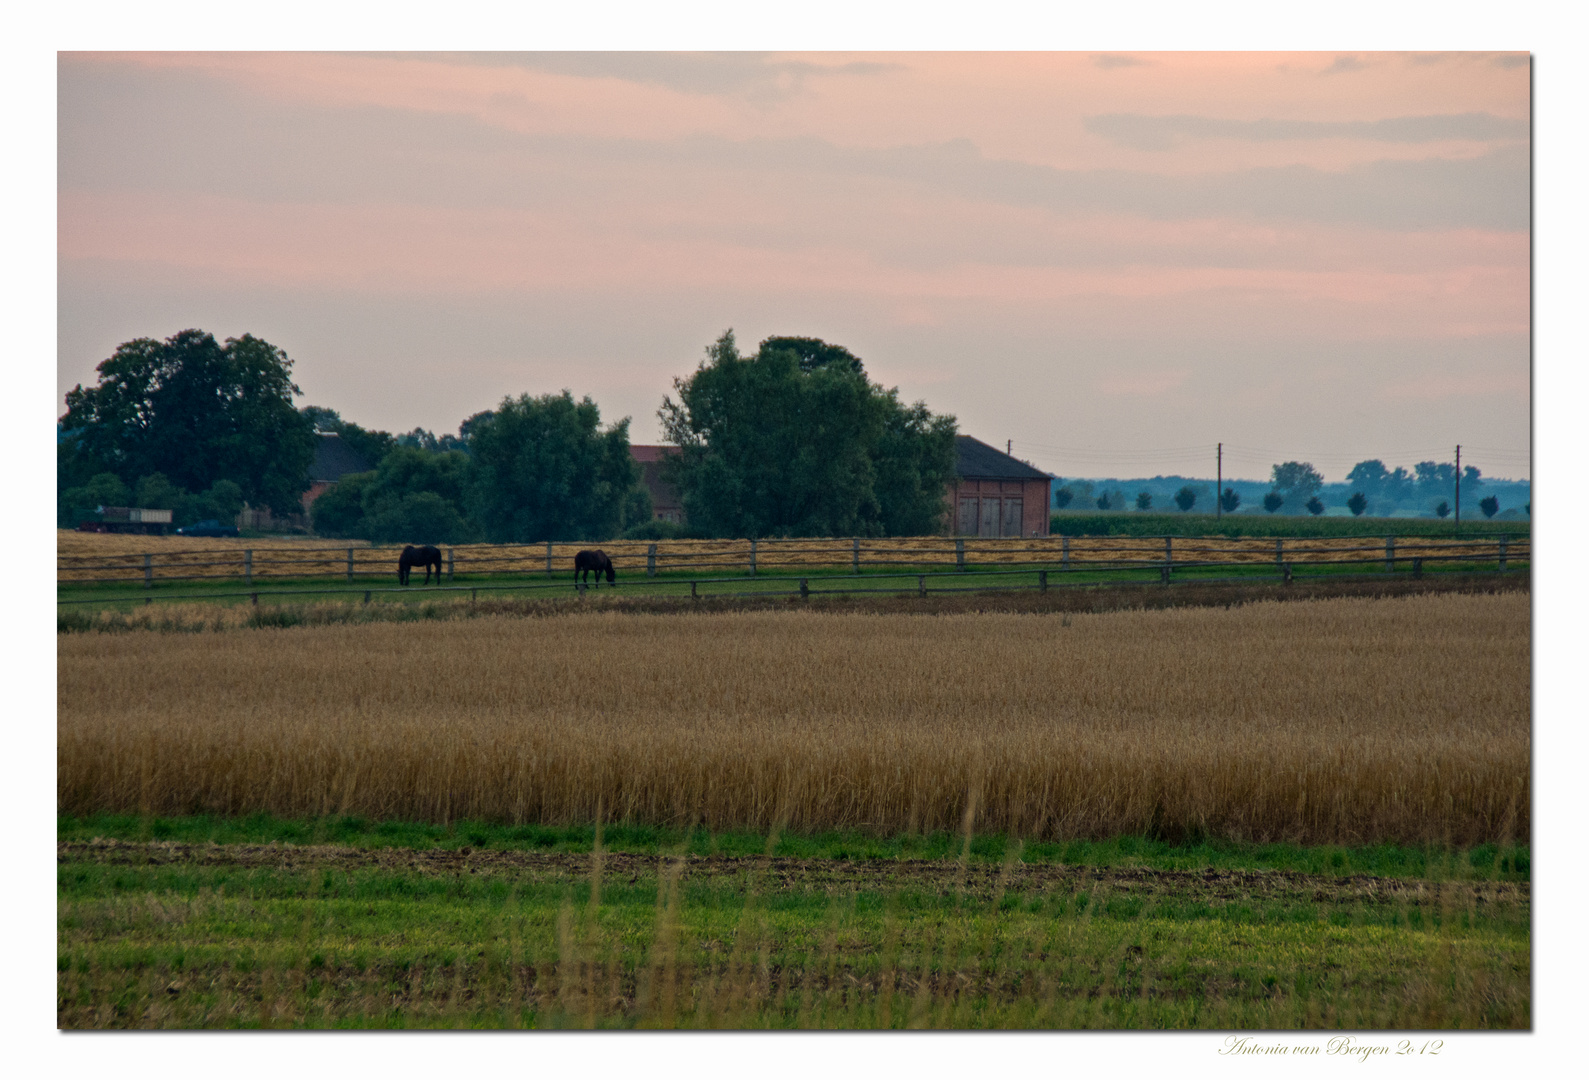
1459,487
1219,480
1009,447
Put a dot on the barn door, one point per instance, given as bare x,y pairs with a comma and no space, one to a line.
966,524
1012,517
989,525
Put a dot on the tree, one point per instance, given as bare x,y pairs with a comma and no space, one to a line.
1229,501
1103,501
197,412
339,512
1434,478
543,468
1273,501
393,507
1442,509
83,501
1315,506
372,446
1062,498
795,441
1489,504
1369,478
1144,500
1296,481
1357,503
1186,498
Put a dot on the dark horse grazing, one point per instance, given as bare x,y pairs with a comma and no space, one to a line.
412,556
587,561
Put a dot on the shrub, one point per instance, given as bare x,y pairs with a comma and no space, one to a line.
1273,501
1357,503
1489,504
1230,500
1442,509
1062,498
1144,500
1315,506
1186,498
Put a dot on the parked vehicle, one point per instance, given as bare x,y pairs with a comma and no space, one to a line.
207,528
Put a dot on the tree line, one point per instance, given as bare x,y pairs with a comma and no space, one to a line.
791,440
1297,486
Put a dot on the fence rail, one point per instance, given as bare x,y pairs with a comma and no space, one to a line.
925,584
678,560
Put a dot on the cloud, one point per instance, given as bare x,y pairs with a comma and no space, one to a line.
1344,63
757,76
1115,60
1167,132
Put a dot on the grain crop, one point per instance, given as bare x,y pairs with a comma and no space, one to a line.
1327,721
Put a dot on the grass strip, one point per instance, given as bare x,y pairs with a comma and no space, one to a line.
1485,862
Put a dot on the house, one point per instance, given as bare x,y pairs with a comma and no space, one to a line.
333,459
665,502
994,494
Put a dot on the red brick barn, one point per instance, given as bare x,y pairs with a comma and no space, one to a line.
995,495
665,502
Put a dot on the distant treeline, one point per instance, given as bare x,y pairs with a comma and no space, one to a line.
1296,488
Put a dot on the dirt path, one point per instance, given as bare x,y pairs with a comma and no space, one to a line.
819,875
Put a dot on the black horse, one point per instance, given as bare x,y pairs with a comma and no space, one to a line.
587,561
412,556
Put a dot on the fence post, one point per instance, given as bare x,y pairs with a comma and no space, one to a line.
1503,555
350,566
1168,558
248,566
805,589
548,558
1042,581
1287,567
366,596
449,565
255,598
960,554
753,558
1390,554
855,554
148,571
1417,568
651,561
1164,574
1064,552
921,584
692,591
1279,548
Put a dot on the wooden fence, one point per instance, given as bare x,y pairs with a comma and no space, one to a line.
697,557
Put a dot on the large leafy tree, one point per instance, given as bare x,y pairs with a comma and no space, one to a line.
196,411
795,441
544,468
1296,481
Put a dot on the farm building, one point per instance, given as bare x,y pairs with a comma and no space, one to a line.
333,459
995,494
665,502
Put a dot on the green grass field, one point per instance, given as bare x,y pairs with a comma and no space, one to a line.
258,922
93,597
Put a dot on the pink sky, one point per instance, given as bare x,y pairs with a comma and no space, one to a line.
1113,260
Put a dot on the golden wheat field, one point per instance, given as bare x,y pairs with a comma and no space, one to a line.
96,556
1342,720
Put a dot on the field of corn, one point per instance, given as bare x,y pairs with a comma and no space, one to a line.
1332,721
86,557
